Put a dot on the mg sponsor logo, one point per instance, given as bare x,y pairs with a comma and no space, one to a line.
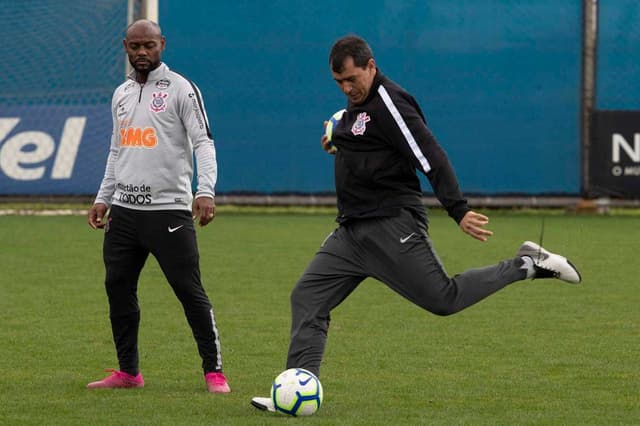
23,154
138,137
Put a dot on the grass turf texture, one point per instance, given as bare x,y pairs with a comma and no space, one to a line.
539,352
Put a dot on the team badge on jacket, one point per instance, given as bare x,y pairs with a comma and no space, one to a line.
158,103
163,84
360,124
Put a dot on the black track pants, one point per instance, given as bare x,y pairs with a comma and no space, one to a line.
170,236
395,251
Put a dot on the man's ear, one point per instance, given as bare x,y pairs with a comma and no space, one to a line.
371,63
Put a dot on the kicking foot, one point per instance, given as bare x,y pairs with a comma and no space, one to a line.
549,265
264,404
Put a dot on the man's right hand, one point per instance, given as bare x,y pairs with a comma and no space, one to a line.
96,215
326,145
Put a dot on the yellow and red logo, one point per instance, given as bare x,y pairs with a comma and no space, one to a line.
138,137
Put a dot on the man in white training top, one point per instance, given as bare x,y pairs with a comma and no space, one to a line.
159,122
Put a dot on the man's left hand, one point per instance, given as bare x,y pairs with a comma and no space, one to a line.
204,210
474,224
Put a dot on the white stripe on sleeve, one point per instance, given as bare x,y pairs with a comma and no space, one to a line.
404,129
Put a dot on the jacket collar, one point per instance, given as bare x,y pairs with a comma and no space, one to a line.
154,75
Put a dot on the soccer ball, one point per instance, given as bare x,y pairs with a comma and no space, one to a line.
333,121
331,124
296,392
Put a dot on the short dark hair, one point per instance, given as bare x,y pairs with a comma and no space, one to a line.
350,45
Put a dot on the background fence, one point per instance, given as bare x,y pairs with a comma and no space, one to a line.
618,55
499,81
61,61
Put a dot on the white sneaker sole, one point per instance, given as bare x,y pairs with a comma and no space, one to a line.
264,404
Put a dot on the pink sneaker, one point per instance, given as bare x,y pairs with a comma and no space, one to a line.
118,379
217,383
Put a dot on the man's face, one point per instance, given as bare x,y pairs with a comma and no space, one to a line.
144,47
355,82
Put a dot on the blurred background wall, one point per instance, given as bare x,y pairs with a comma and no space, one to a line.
499,82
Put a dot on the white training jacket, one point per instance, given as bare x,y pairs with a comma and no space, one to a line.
157,127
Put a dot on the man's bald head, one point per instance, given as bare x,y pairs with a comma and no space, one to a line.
145,26
144,44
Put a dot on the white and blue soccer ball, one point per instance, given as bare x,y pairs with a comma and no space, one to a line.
296,392
332,123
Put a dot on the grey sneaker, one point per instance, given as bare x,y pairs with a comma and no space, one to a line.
549,265
265,404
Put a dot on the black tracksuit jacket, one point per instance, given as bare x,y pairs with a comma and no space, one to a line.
381,143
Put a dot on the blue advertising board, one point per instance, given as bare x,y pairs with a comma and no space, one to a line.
61,60
53,149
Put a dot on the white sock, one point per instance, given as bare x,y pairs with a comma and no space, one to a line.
528,266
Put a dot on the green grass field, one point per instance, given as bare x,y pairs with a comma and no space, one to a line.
539,352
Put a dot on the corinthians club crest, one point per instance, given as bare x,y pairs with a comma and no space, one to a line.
360,124
158,102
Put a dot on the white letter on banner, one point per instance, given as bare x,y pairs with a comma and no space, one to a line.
12,155
619,141
7,125
69,143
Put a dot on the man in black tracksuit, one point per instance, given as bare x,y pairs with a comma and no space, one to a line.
379,143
